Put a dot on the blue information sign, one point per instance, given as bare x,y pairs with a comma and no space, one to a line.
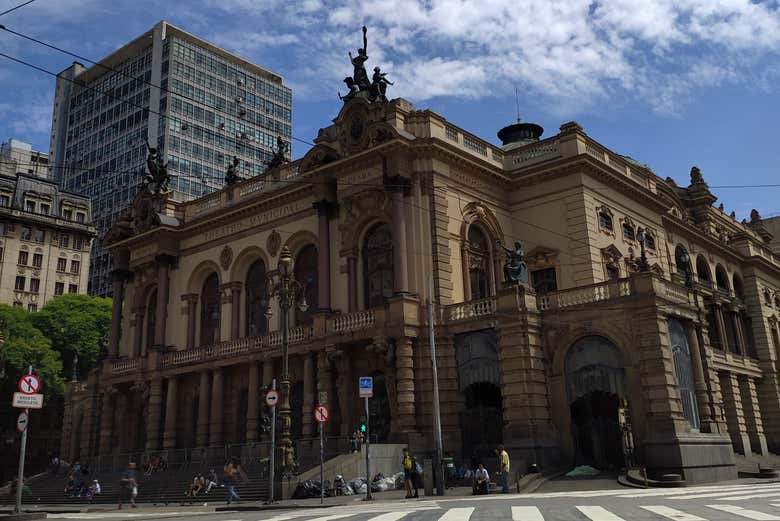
366,386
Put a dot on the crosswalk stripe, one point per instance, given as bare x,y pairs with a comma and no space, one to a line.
766,489
390,516
672,513
765,495
331,517
744,512
696,490
457,514
526,514
595,513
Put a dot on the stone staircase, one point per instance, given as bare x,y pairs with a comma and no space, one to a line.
164,487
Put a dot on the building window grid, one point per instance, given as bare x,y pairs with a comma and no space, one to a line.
23,258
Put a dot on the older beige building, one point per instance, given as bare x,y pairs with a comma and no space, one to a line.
670,354
45,238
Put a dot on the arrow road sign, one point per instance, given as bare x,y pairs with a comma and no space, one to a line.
21,421
271,398
29,384
321,413
366,386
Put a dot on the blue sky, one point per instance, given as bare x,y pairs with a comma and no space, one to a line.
670,83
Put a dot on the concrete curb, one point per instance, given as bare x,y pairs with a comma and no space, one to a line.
24,516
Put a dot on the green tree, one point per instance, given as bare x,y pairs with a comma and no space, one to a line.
25,345
75,324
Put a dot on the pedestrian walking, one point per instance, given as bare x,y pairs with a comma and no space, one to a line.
503,465
231,471
408,465
128,485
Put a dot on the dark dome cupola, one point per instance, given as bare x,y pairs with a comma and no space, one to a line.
519,134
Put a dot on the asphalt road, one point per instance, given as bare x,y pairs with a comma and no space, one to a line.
758,502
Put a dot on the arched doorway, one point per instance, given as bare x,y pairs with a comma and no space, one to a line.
482,420
595,387
379,410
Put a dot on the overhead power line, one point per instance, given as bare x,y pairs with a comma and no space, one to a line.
17,7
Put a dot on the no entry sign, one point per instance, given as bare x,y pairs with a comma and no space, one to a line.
29,384
321,413
271,398
21,421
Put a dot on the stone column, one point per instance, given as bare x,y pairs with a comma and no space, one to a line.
325,209
464,254
404,385
202,434
120,278
235,310
700,383
164,263
308,395
352,282
724,338
735,415
107,421
155,410
124,433
396,185
215,435
169,435
138,331
253,406
753,421
739,333
191,309
344,389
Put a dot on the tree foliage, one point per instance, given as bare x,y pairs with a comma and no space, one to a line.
25,345
75,324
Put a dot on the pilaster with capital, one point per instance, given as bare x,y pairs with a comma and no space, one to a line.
171,403
107,420
164,263
204,406
120,278
325,210
154,414
253,406
191,310
398,186
216,424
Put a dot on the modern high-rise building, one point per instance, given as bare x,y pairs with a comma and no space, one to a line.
199,104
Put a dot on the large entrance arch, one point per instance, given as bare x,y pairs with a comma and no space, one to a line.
595,387
482,420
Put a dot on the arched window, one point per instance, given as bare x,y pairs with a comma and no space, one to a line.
605,218
305,271
256,299
679,259
151,320
721,278
739,290
210,311
684,369
478,253
703,270
378,265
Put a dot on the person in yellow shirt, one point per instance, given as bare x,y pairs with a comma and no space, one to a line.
409,474
503,465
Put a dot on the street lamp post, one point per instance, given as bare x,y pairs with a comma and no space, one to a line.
288,291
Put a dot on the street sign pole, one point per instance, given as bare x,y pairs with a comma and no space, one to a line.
368,449
273,448
22,450
322,468
436,412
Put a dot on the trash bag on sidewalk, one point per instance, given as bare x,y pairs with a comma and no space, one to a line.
307,489
583,471
359,485
398,478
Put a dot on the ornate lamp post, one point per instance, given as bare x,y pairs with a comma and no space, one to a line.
288,291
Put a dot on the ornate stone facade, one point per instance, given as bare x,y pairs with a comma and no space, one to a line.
684,344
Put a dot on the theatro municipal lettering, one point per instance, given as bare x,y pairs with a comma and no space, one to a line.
255,220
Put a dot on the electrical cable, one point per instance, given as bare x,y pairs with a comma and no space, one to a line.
17,7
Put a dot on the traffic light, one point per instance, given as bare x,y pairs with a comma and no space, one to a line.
363,426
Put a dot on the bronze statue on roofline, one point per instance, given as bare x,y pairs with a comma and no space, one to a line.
358,85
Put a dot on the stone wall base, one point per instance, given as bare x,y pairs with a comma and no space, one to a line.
698,457
524,452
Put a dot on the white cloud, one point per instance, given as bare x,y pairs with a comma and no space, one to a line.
568,53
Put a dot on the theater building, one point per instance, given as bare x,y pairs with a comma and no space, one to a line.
672,345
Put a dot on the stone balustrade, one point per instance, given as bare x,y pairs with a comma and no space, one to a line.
125,365
470,309
585,295
352,321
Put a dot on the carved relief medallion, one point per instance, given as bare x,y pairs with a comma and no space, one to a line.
273,243
226,257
